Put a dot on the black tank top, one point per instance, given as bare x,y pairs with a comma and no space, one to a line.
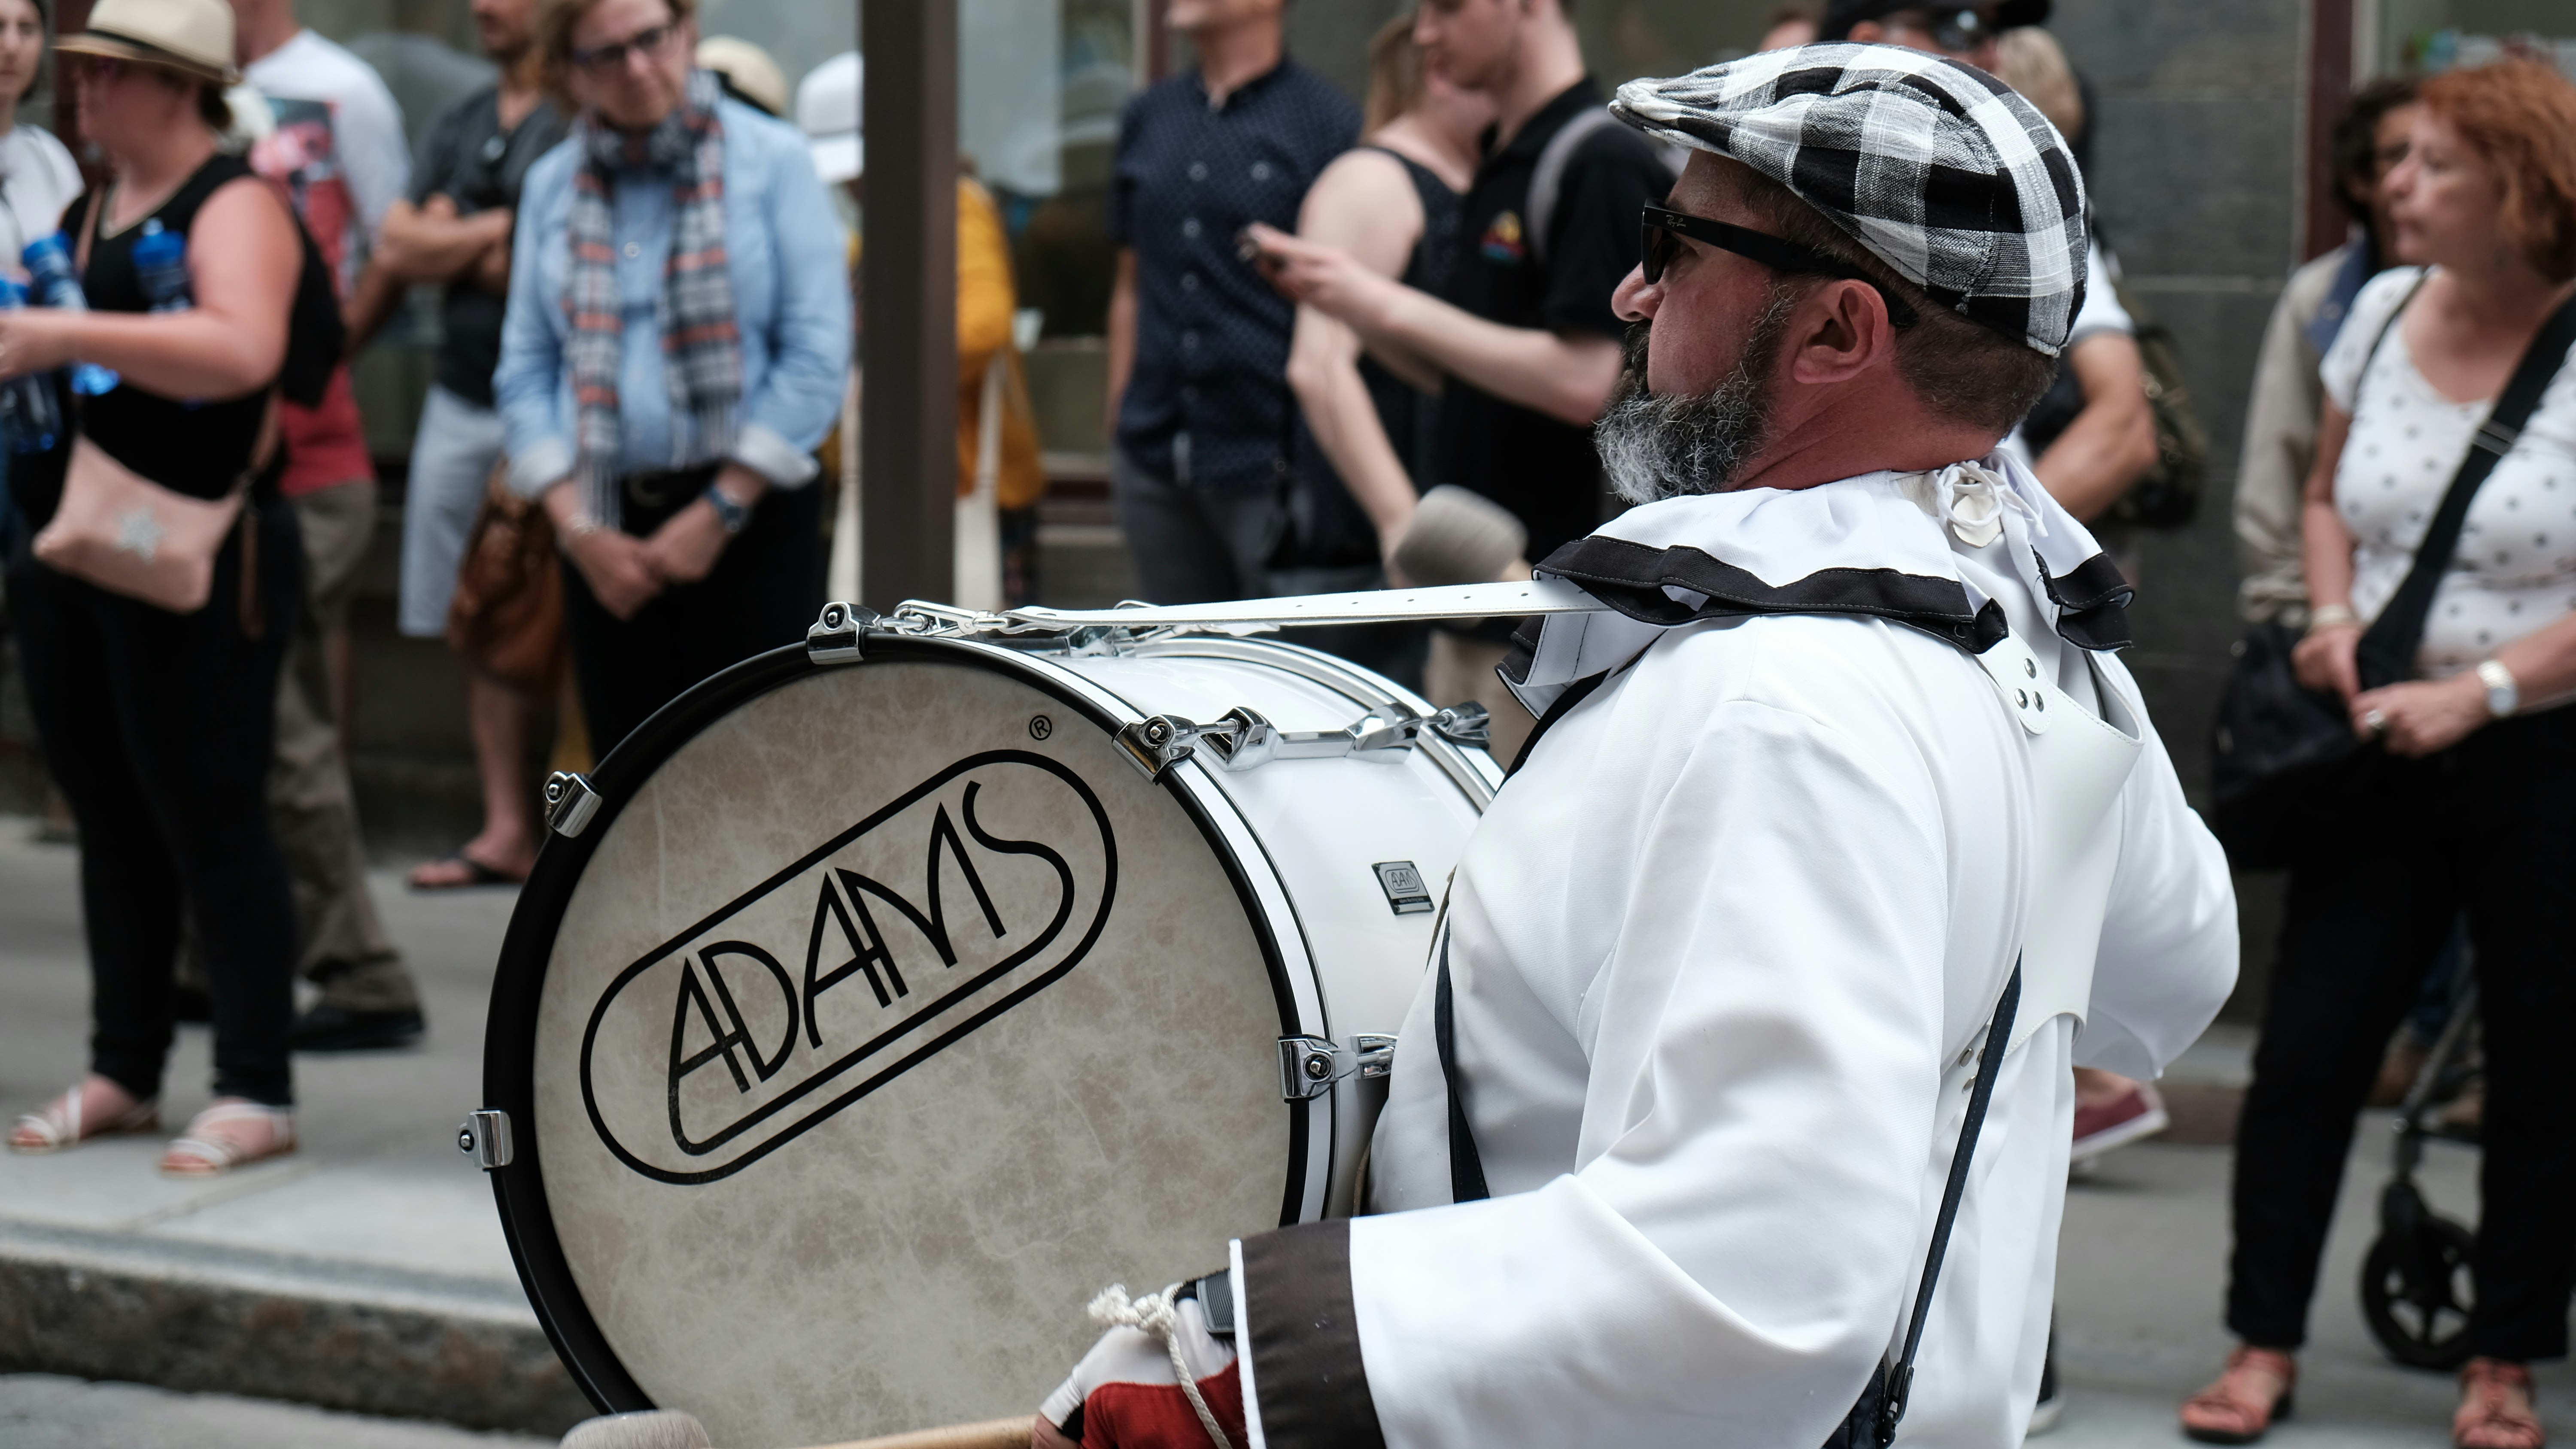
1328,528
198,449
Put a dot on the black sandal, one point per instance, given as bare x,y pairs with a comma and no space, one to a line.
476,874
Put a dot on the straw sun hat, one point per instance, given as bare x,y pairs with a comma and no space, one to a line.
194,37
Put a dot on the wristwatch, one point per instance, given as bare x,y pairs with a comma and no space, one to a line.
2503,695
728,513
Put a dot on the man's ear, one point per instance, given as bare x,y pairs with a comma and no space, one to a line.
1847,333
1867,32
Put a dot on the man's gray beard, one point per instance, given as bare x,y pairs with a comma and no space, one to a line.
1663,447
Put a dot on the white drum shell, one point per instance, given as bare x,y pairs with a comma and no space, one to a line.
1322,831
768,1364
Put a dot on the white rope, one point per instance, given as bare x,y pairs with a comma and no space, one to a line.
1155,1313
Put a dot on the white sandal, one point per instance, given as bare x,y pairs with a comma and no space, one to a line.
198,1153
59,1123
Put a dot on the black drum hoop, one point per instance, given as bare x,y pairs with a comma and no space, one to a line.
527,948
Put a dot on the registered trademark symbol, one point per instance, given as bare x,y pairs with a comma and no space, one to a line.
1040,727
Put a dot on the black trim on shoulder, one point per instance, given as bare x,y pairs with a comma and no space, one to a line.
1517,660
2092,600
1631,578
2092,603
1304,1339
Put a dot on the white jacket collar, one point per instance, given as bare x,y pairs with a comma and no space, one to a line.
1884,545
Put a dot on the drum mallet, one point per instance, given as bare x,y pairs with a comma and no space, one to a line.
991,1434
672,1429
1461,537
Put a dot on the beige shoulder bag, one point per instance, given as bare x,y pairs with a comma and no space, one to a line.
129,535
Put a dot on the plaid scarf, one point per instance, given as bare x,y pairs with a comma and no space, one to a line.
701,342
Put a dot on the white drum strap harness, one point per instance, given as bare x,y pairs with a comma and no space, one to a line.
2079,768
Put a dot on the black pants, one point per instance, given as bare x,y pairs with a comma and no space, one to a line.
157,726
765,590
2488,828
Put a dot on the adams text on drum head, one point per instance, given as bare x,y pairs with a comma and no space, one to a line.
960,899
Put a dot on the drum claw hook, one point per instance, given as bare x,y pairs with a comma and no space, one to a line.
1310,1066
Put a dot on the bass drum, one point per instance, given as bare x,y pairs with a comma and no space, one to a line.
862,1020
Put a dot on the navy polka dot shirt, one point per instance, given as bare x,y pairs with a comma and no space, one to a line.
1207,400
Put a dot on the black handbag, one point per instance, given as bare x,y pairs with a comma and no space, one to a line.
2286,766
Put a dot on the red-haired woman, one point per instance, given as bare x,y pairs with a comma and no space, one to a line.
2475,809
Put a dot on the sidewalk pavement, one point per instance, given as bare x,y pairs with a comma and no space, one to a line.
49,1411
368,1273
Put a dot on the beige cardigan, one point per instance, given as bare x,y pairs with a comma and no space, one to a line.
2280,448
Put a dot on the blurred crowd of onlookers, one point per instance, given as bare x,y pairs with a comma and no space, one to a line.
1347,347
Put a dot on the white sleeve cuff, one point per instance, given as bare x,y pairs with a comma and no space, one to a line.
1242,1349
772,457
540,467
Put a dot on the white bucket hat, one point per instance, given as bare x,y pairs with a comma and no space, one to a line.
827,111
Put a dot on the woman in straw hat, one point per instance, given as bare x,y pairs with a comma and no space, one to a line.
157,724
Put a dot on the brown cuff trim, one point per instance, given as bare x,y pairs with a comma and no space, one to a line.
1305,1339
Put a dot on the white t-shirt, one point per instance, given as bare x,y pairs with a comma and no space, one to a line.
337,147
2515,569
37,180
2101,312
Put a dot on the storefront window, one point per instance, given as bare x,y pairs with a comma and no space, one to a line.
2422,36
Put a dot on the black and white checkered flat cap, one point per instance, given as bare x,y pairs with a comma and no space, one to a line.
1938,168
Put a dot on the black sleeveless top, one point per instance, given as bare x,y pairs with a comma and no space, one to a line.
198,449
1328,528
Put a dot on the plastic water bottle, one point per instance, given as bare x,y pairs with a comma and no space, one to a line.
161,263
49,266
35,419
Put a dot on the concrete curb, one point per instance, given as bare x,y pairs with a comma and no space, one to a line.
195,1317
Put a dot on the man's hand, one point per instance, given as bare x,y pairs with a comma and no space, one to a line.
2422,716
430,243
1328,279
1125,1393
685,548
2324,662
492,269
618,568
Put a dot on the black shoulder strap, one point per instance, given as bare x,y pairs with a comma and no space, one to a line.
1466,1165
1423,177
2386,653
1547,177
1872,1422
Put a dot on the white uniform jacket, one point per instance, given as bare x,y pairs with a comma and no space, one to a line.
1723,952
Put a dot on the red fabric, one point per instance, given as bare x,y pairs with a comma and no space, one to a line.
326,445
1159,1416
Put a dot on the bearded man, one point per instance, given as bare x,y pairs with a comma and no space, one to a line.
1843,837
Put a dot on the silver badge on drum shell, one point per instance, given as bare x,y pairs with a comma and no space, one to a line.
970,893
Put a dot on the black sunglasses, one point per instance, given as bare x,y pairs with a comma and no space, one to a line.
1664,228
610,58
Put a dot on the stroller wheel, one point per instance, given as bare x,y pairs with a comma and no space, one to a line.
2416,1293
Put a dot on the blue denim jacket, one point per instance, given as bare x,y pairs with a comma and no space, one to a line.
791,287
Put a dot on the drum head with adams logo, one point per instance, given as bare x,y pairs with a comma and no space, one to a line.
881,1017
